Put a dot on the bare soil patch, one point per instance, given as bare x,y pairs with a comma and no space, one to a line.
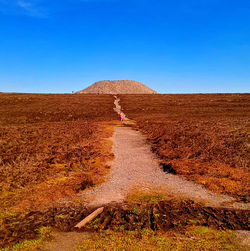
65,241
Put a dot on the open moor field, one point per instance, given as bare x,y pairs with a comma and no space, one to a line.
55,146
52,146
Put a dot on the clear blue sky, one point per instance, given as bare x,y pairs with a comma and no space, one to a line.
173,46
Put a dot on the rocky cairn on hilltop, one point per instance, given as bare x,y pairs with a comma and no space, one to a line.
117,87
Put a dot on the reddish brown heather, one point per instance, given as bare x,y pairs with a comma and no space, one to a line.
38,108
51,146
204,137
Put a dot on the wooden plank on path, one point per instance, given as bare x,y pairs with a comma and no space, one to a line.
90,217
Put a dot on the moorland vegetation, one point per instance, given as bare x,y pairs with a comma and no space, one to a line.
204,137
51,146
55,146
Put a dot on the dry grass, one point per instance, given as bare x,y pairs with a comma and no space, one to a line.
195,238
202,137
152,195
39,108
199,238
45,234
52,146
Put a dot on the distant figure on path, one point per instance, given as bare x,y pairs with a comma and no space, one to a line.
121,117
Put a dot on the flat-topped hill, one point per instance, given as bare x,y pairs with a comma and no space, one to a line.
117,87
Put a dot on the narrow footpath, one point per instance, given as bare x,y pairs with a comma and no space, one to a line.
135,166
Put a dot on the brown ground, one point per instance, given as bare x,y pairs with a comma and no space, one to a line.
39,108
65,241
52,146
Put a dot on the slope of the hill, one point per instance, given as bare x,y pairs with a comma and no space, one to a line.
117,87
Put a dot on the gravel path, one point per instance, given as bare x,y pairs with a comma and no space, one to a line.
136,166
118,109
